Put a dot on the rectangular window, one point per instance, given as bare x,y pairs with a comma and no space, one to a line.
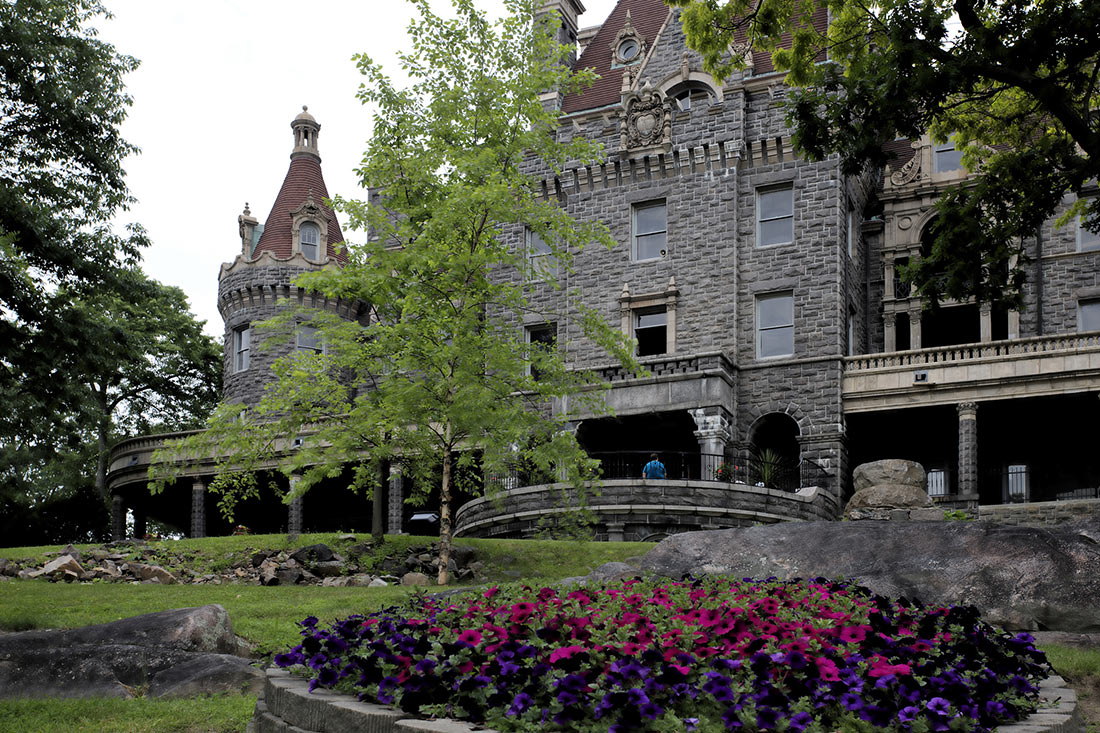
650,231
936,482
1088,315
1087,240
945,158
851,233
774,325
651,331
543,338
242,346
775,217
309,340
540,260
1016,483
851,350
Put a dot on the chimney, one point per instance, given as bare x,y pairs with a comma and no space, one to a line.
568,11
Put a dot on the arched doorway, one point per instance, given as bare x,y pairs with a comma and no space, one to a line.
774,454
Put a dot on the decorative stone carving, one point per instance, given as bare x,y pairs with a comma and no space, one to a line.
646,121
910,171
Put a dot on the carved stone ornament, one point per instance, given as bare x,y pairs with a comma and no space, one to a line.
910,171
646,121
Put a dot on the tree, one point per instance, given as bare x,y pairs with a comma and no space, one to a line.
61,181
1014,85
442,378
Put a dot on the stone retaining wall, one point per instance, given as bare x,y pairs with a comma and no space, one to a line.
1034,514
287,706
639,510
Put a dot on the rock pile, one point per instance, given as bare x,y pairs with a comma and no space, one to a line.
888,489
358,565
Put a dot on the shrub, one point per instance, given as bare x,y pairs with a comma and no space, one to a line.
695,655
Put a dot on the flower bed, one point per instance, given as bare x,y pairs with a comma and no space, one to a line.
696,655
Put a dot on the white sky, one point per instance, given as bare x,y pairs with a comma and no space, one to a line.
218,85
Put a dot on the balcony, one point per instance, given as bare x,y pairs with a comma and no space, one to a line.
1031,367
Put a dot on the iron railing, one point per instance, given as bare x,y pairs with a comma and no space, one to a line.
1019,483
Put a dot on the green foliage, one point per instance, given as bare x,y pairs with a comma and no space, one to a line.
1014,86
61,182
441,381
957,515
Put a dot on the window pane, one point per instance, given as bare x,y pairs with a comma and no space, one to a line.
776,231
649,246
1017,482
649,320
536,245
545,335
308,339
777,342
649,219
1089,314
1087,241
775,311
775,204
947,159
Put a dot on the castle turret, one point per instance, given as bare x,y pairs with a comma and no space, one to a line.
301,234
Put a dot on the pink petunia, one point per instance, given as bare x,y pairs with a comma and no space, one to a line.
564,652
491,592
471,637
826,669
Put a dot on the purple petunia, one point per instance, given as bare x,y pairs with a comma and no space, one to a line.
939,706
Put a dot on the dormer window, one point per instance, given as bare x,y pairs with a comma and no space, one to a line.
628,46
309,240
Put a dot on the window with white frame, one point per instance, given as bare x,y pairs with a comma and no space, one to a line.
1088,315
774,325
540,260
936,482
543,338
242,347
308,340
775,216
651,331
309,240
1087,240
851,232
945,157
649,230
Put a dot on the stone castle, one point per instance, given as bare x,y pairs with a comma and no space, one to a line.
762,292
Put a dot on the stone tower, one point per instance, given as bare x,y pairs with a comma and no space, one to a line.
301,234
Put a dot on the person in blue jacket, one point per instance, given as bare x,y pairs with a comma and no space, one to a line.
653,469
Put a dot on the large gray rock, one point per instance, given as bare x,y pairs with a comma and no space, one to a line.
888,471
886,497
162,653
1020,577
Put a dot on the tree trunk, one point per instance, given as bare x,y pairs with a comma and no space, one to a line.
102,432
377,519
445,515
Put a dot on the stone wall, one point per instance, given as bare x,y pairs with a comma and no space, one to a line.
635,510
1040,514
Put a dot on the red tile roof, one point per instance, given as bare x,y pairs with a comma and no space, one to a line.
303,177
647,17
899,152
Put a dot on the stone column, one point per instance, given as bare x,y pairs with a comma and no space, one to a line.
294,512
968,452
1014,324
889,333
888,280
914,329
198,508
118,518
395,501
571,426
714,432
615,531
985,319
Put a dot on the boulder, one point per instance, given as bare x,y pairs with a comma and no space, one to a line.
152,573
113,659
58,567
887,496
414,579
288,576
888,471
328,569
1019,577
313,554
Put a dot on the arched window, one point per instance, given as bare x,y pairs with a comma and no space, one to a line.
692,94
309,240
